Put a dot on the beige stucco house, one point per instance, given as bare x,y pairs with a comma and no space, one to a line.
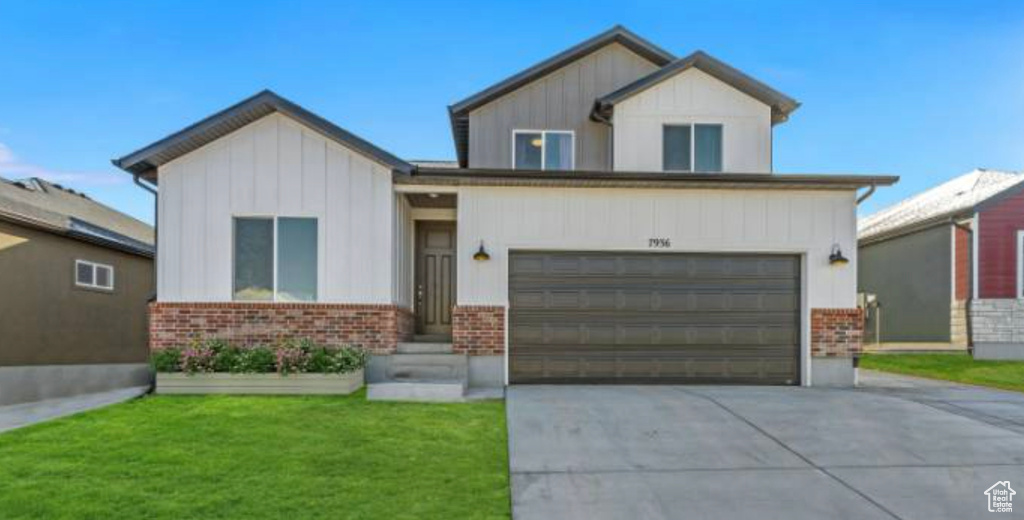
612,217
75,279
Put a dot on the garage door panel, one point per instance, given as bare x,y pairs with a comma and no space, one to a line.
654,318
648,368
703,317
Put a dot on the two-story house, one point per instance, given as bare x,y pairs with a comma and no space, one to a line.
612,217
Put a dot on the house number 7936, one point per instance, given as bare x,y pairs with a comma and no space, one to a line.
659,243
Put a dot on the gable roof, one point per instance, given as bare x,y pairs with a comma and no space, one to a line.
954,198
145,161
459,112
54,208
781,104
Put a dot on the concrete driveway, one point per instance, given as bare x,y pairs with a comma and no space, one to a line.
897,448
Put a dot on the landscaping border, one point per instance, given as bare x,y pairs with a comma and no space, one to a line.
260,384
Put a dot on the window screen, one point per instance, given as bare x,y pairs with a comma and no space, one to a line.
708,143
529,149
254,258
676,148
296,259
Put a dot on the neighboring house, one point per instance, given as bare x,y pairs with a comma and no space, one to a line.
612,217
75,278
918,258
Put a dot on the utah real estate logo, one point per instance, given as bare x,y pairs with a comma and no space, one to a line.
1000,497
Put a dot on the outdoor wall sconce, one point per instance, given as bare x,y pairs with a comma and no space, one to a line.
837,258
481,255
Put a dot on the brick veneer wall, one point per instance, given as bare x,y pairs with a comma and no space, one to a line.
478,330
836,332
377,328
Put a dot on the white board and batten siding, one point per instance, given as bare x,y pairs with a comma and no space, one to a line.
276,167
693,97
403,252
801,222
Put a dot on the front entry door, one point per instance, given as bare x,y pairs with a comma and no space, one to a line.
435,276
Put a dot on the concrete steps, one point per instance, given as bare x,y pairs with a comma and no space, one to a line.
428,367
432,338
424,348
419,391
425,372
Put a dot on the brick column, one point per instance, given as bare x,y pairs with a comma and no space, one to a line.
478,330
836,332
376,328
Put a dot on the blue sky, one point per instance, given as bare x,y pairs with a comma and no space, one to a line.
924,90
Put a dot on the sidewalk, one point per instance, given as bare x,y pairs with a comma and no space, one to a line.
25,414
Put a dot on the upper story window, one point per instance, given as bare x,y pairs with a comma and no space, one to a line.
275,259
692,148
94,276
543,149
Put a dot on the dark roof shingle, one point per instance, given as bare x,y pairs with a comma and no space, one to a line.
52,206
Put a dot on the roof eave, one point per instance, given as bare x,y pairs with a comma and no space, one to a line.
139,162
944,218
468,175
618,33
781,104
26,221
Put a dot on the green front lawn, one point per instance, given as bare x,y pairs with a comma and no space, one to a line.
959,367
260,457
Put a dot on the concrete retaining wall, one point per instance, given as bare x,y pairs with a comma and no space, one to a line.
24,384
833,371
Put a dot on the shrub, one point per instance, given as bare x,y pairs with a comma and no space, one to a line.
225,355
336,360
350,359
167,359
255,359
290,356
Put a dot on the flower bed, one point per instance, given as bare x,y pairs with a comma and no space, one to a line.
289,367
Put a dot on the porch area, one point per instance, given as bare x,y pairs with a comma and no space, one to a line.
439,360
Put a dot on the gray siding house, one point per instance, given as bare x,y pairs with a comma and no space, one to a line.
946,267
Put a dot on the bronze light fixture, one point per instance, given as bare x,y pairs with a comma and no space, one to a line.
481,254
836,257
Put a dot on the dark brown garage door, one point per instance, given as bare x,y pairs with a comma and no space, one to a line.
599,317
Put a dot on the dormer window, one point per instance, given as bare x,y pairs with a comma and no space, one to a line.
543,149
692,148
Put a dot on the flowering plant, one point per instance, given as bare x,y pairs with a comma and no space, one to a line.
198,357
288,356
291,358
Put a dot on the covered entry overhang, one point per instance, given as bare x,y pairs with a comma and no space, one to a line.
427,257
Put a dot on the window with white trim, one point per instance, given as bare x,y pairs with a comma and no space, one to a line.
1020,263
92,275
275,259
543,149
692,148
